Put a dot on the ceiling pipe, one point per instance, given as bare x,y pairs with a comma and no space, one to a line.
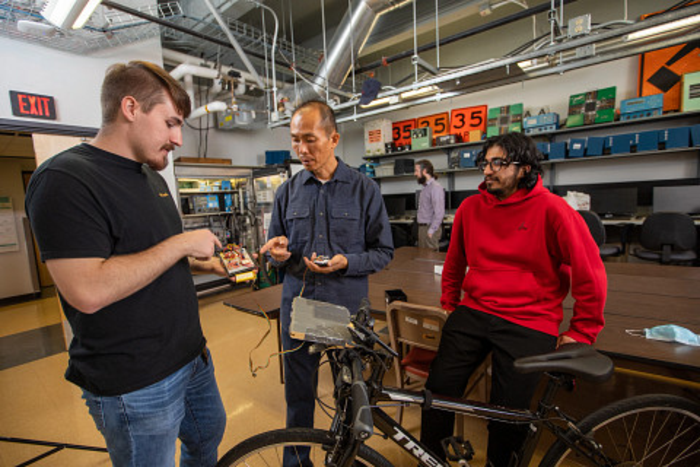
216,106
617,50
176,27
352,34
237,47
544,52
459,36
175,57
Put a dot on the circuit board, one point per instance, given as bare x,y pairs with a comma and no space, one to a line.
236,260
591,107
505,119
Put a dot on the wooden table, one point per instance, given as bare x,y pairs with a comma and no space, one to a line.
639,296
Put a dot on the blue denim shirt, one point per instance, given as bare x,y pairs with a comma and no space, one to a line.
345,215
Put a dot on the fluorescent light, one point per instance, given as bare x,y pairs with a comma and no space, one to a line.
534,64
662,28
69,13
420,92
381,101
86,13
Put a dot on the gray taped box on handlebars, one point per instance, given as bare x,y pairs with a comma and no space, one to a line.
321,322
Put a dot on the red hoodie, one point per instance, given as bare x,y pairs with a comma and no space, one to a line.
522,253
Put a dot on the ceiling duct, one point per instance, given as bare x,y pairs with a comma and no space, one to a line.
347,43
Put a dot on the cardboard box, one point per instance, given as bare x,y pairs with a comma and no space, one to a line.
543,148
476,135
384,169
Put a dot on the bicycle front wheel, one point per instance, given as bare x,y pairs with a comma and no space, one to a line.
266,449
649,430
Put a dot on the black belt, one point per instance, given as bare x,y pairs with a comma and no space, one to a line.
424,225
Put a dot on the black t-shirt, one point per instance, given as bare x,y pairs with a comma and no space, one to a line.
88,203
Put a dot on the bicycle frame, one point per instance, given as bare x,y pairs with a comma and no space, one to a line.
347,445
356,399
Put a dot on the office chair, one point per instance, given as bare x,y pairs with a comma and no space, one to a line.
419,327
668,237
595,225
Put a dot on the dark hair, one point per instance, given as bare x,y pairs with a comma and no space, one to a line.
426,165
146,82
327,114
518,148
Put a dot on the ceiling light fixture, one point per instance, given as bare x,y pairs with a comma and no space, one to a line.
534,64
67,14
381,101
420,92
662,28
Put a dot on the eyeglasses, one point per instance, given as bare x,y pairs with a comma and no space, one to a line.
496,164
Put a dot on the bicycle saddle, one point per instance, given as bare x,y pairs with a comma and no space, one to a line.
580,360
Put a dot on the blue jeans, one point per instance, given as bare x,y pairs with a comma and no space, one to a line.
141,427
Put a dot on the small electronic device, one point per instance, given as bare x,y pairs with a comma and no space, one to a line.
322,260
237,262
642,107
445,140
541,123
421,138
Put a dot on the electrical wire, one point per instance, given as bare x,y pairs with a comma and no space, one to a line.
254,370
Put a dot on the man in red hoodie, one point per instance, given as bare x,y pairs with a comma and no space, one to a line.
515,251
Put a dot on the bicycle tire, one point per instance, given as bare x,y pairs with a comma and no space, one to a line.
266,449
648,430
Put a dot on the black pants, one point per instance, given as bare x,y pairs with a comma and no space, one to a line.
467,338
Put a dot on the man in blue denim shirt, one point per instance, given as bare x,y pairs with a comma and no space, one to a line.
332,210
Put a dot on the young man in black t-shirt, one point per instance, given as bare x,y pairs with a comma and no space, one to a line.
112,239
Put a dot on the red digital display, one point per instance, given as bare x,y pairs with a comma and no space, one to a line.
29,105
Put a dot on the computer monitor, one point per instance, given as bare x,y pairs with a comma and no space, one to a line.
395,206
613,202
685,199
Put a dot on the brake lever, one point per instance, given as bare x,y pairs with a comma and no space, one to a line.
371,336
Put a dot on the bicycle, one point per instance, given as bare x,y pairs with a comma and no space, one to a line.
658,430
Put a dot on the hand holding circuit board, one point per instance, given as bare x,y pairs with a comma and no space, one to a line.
237,263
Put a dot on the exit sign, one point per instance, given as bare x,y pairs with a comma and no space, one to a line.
29,105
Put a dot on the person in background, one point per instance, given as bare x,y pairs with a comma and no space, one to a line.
524,247
431,206
331,210
112,239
